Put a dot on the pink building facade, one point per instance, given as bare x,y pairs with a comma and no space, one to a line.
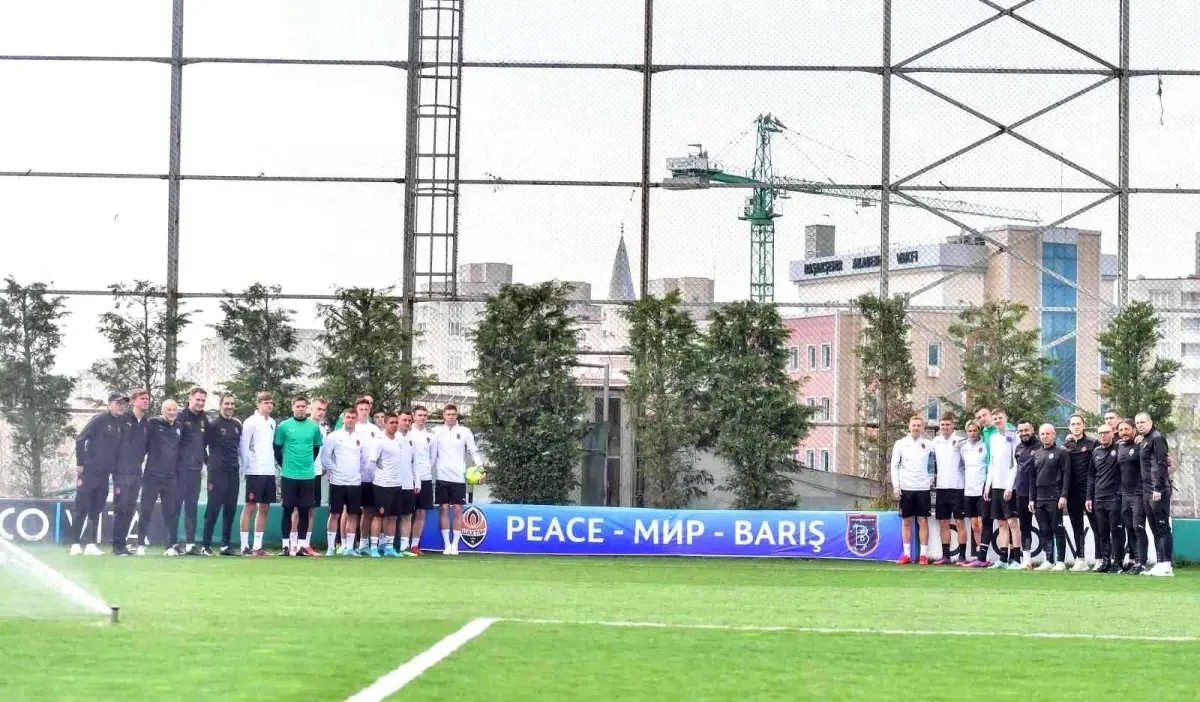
812,360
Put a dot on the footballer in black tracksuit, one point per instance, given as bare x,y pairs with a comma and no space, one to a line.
127,480
96,451
1024,453
1049,482
1080,451
161,478
1155,478
191,465
1129,463
221,441
1104,494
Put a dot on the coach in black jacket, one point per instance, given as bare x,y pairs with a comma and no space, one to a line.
96,451
127,478
1049,483
221,442
162,475
1104,501
1156,488
194,424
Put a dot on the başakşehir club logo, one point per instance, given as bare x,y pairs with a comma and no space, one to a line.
862,533
474,529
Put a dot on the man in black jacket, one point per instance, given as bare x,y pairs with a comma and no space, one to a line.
96,450
1129,464
127,478
1049,481
194,423
1156,487
162,476
1079,446
1023,456
1104,501
221,441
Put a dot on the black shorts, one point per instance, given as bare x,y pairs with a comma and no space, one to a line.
368,496
456,494
345,497
913,503
394,501
974,506
260,489
1002,508
297,492
316,492
949,504
425,497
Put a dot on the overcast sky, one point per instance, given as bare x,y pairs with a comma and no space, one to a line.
552,124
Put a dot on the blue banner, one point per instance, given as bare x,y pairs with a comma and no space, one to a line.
619,531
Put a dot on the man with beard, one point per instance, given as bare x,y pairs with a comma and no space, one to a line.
222,441
1129,463
1156,488
1027,446
194,424
97,450
1079,447
1103,493
127,479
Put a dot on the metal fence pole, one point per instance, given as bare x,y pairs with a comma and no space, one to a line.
172,341
411,144
647,74
1123,162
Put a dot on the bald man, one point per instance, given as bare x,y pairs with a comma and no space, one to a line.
160,480
1049,481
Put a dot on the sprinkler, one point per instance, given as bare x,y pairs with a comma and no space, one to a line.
114,616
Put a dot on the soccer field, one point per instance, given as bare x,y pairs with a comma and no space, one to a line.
597,629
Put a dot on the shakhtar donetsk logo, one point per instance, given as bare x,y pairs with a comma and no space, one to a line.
862,533
474,529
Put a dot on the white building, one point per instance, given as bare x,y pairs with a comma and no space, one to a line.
1177,301
217,367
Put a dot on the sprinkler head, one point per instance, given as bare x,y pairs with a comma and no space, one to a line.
114,616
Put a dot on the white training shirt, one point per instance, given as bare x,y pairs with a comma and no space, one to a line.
910,463
394,461
974,461
317,469
344,456
453,444
1002,471
424,452
949,462
257,448
369,434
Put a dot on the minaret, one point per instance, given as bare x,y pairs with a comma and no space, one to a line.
620,285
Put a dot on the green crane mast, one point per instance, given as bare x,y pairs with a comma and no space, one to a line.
695,172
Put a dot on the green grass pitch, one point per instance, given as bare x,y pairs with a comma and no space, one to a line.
324,629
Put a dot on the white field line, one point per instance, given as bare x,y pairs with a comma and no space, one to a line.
398,678
856,630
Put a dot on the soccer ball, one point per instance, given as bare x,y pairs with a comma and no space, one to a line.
474,475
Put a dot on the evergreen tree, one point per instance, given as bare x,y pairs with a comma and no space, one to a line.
665,393
364,333
33,397
137,328
1137,381
1002,363
752,411
261,338
529,408
888,378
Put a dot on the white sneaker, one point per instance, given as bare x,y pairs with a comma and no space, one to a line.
1046,565
1059,567
1163,570
140,550
92,550
1097,566
1080,566
170,551
76,550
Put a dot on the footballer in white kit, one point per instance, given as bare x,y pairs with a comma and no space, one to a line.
395,477
454,442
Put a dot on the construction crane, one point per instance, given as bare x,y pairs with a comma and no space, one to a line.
695,171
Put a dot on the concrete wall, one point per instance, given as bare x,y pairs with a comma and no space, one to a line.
817,490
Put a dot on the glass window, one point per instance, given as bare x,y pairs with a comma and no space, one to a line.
1191,324
933,410
811,402
810,459
812,357
935,355
1189,350
1160,298
1062,259
1190,299
794,359
825,460
826,356
455,328
826,408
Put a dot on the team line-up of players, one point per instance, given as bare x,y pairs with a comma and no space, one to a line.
380,475
1014,475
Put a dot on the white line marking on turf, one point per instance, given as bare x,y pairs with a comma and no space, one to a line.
858,630
391,683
